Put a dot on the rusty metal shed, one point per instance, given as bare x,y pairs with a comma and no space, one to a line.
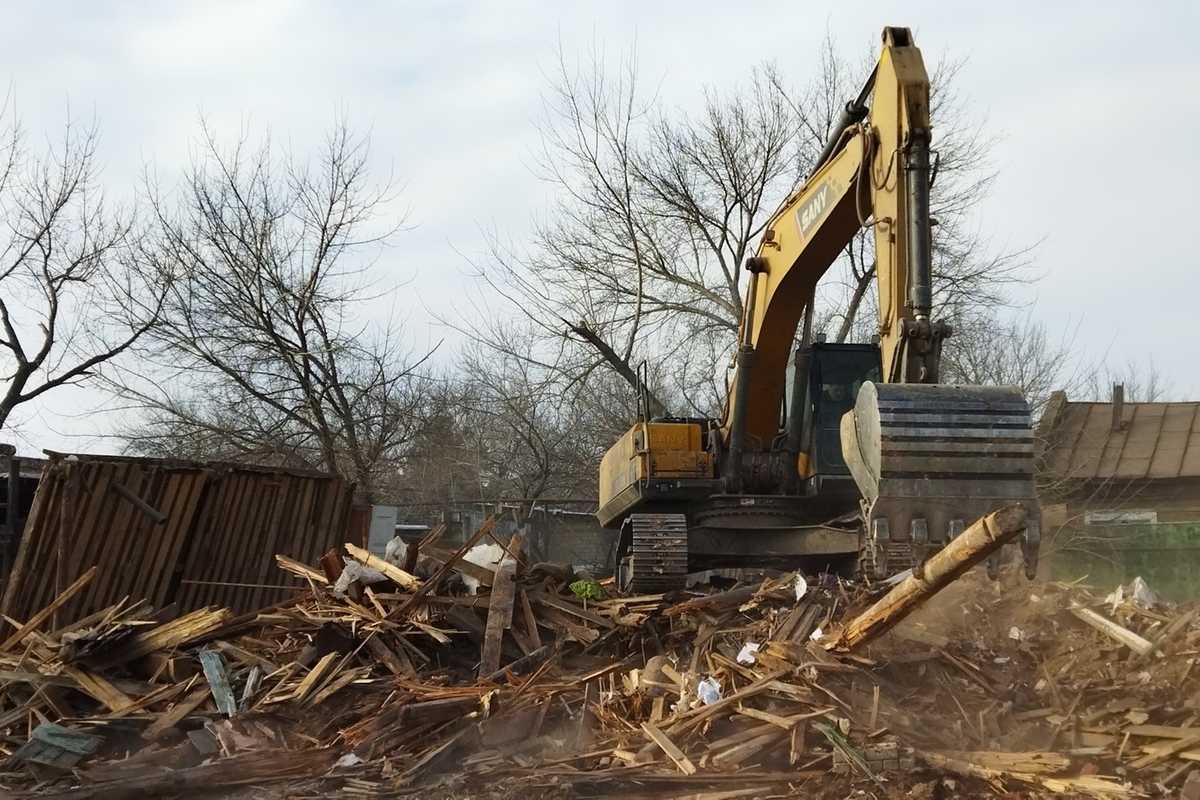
1123,453
189,533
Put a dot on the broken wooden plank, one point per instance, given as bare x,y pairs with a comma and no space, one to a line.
41,616
441,571
249,769
222,692
253,681
667,746
1114,631
161,637
734,756
1030,761
176,713
1160,731
766,716
586,733
303,570
964,551
531,626
393,573
500,610
442,709
316,674
397,662
1160,754
98,687
721,601
246,657
525,664
335,685
569,607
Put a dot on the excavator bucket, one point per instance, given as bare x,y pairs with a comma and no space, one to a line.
931,459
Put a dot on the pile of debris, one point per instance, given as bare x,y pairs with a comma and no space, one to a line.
390,677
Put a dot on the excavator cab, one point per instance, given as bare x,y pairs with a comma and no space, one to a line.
836,373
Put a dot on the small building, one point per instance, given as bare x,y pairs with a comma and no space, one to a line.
1120,481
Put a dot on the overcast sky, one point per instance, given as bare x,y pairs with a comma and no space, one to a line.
1097,103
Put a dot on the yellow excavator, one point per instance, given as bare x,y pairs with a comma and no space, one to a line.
830,456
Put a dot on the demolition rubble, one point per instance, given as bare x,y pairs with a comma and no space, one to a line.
389,677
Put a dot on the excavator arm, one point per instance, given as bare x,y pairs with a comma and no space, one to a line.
874,172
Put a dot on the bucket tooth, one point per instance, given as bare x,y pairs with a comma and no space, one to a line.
918,537
993,565
880,537
1031,542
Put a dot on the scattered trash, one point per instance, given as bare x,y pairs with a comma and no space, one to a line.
708,690
1015,633
348,760
356,572
746,654
395,551
487,556
1138,592
801,587
587,590
815,635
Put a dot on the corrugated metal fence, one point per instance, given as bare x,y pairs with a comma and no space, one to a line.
171,532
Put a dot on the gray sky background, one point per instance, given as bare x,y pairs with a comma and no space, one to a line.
1096,101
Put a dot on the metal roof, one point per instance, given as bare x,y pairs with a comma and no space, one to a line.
1151,441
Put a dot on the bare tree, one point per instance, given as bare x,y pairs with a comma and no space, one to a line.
1142,380
1014,351
537,432
259,355
77,286
639,256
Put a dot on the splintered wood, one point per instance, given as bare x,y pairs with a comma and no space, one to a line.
768,687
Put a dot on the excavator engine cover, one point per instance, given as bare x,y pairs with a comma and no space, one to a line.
931,459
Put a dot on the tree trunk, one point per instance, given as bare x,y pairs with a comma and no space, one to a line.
656,407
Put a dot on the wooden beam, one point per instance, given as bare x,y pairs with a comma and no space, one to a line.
138,503
399,576
1114,631
44,614
500,609
667,746
971,547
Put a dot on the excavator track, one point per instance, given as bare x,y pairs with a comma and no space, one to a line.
657,559
884,559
